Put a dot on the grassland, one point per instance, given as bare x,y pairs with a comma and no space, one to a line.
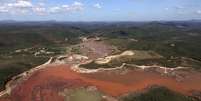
82,94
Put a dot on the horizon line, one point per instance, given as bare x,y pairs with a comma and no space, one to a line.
10,20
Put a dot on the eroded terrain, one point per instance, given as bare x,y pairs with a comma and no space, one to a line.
68,78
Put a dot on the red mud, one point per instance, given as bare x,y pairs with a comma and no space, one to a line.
45,84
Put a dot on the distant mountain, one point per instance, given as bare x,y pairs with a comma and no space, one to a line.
7,21
195,20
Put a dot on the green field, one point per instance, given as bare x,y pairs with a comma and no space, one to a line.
82,94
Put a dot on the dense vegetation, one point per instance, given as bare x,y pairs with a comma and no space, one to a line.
158,94
24,46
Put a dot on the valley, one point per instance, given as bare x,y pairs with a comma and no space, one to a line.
101,64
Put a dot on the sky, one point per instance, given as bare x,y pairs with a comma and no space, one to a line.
100,10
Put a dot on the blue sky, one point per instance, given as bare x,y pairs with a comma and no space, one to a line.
100,10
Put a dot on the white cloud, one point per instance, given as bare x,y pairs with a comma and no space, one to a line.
16,6
198,11
20,4
77,3
167,9
3,9
97,6
55,9
39,10
76,6
27,6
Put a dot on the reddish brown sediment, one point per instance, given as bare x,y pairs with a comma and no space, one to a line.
138,80
46,84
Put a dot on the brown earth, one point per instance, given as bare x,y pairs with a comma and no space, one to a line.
45,84
96,49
